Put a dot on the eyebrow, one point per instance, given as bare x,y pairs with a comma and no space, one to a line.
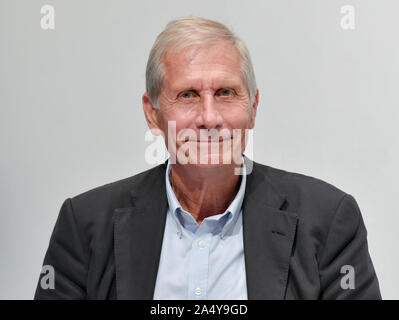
219,84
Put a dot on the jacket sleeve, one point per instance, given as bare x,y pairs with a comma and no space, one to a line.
64,270
346,270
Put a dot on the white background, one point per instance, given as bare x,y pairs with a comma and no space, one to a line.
71,117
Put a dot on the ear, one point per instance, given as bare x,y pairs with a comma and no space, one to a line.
151,115
254,107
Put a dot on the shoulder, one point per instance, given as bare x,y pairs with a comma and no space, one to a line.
318,204
289,182
98,203
307,195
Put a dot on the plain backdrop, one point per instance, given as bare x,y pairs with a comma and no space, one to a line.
71,115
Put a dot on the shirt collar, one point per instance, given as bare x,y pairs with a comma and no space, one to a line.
232,212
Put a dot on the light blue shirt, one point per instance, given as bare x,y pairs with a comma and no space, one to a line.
203,261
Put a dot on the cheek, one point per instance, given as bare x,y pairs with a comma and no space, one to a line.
236,114
239,119
183,120
174,122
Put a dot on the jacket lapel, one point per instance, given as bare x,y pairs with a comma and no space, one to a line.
138,234
268,233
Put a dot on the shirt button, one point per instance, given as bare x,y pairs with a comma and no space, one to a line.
198,291
201,244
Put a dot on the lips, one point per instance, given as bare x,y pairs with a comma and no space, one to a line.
211,140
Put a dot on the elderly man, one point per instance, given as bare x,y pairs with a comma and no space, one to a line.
209,223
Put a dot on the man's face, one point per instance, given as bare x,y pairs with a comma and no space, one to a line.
204,90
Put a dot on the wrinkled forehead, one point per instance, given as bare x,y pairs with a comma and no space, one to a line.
222,56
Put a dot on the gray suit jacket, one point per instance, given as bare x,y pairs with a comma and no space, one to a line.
298,233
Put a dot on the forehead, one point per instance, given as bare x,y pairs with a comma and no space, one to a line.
220,63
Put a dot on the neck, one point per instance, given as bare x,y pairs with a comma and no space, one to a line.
203,191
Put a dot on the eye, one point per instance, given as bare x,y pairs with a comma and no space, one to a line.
187,95
225,92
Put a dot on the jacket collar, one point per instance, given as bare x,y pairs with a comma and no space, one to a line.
268,233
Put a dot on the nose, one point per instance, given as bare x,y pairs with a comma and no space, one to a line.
209,116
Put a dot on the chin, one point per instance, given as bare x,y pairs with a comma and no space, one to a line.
212,161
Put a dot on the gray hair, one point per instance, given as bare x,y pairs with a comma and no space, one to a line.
187,31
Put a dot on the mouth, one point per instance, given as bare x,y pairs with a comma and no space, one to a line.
209,140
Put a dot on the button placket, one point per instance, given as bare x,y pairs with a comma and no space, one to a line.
199,265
